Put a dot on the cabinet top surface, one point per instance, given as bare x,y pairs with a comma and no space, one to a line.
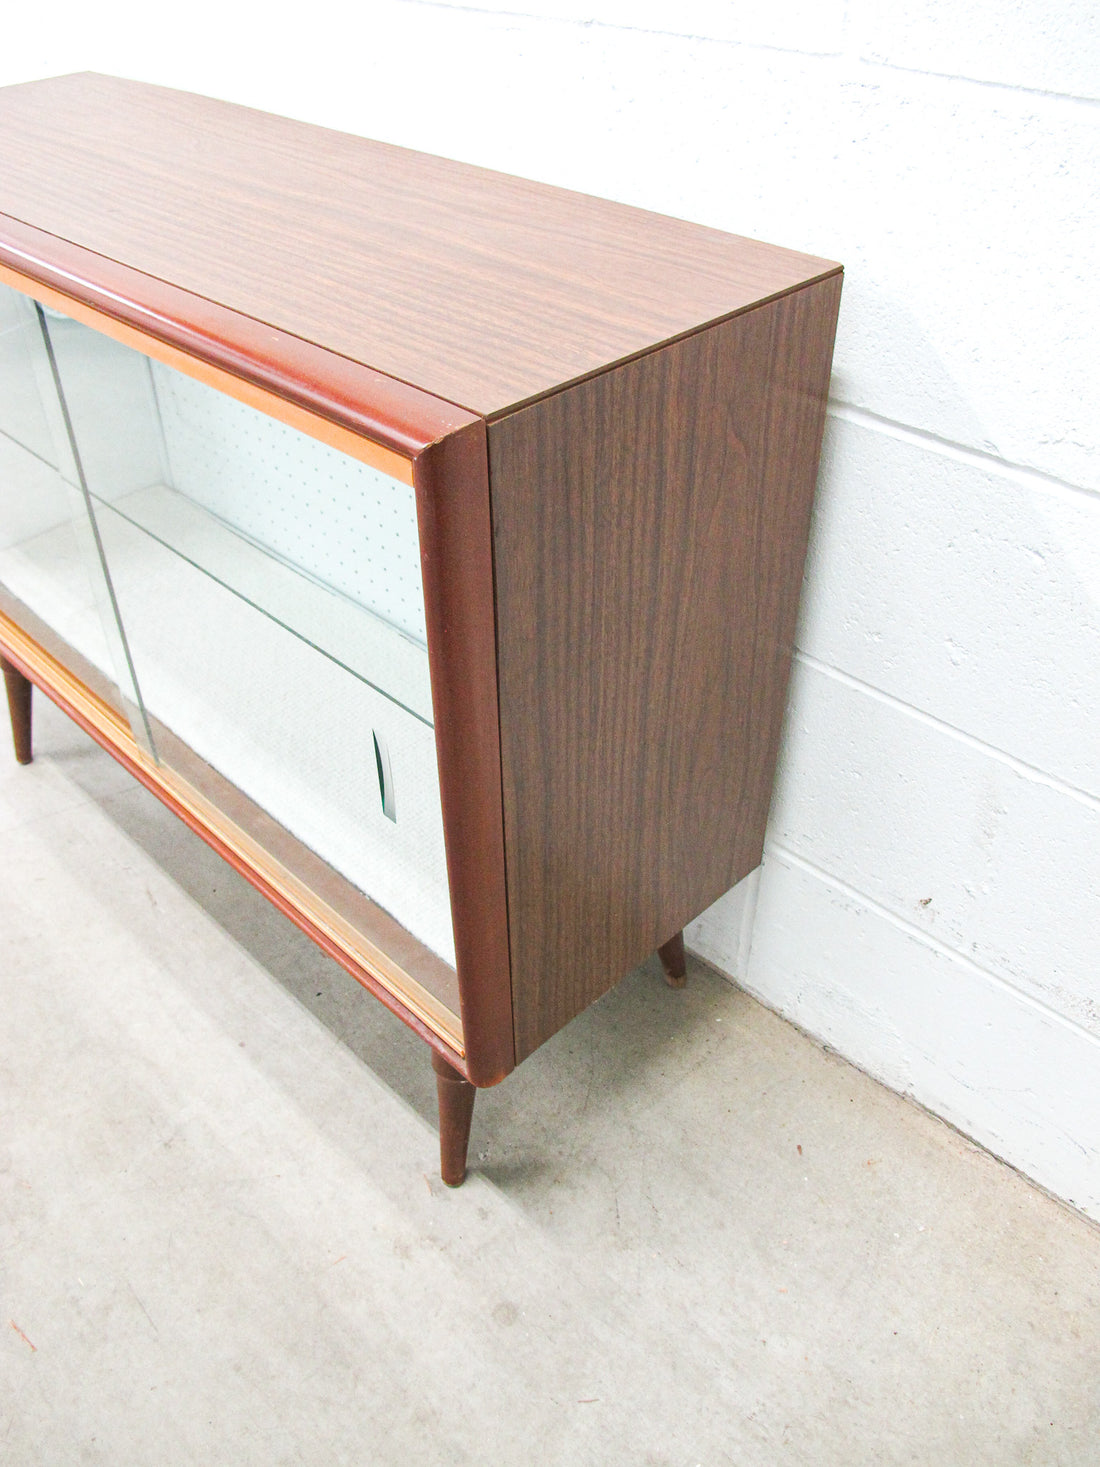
477,287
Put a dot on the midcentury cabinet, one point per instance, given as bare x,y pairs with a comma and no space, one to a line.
429,540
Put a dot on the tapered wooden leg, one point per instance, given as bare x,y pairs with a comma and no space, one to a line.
673,961
456,1111
19,707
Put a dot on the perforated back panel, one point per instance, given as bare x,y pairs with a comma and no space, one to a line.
348,525
350,634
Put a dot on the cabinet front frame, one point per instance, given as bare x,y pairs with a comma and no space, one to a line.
437,449
376,455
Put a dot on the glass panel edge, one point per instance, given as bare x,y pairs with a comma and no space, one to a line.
357,445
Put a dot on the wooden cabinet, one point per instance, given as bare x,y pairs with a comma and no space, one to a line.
429,540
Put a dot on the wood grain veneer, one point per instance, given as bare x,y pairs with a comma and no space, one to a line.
482,289
650,528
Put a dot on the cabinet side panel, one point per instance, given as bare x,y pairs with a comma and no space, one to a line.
650,531
452,498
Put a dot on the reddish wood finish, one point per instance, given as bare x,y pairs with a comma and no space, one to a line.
456,1112
19,690
674,961
650,529
452,504
482,289
356,397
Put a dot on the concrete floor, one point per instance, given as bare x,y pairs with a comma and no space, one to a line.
690,1236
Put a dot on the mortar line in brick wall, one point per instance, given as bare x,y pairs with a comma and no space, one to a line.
846,52
980,81
974,457
784,853
1019,766
610,25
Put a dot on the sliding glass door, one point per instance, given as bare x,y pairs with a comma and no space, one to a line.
252,595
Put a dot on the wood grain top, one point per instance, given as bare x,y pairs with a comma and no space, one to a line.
478,288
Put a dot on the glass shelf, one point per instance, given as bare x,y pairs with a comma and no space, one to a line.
356,639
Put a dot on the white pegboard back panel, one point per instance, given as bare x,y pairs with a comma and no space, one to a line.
350,526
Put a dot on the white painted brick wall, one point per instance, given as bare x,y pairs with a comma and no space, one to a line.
986,856
944,737
966,589
1022,43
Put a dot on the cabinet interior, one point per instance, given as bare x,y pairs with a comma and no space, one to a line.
251,599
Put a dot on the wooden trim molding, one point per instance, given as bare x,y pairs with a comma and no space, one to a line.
452,503
363,412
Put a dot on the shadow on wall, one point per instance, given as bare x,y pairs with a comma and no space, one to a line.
949,634
886,364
